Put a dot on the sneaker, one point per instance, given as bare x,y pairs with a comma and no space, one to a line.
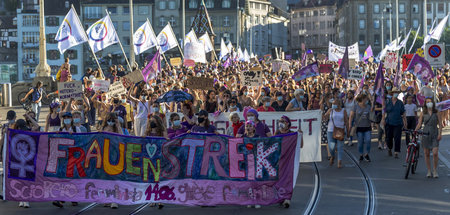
114,205
57,204
160,206
286,203
249,206
367,158
20,204
435,174
257,206
429,174
361,158
26,204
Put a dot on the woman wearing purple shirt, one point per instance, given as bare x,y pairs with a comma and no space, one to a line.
262,130
204,125
176,128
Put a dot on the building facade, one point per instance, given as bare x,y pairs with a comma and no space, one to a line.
28,39
8,49
312,24
93,10
168,11
369,22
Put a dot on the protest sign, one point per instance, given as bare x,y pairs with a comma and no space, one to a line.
116,89
310,70
288,57
131,78
70,90
390,61
195,51
189,62
352,63
336,52
176,61
325,68
101,85
308,121
256,68
355,74
200,83
421,69
406,59
112,168
251,78
280,65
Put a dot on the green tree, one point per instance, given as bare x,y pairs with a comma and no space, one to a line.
417,44
445,38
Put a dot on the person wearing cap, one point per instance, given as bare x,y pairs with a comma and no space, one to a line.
53,121
261,128
279,104
297,103
394,120
203,125
266,105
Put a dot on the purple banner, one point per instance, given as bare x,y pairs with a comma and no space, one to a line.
421,69
308,71
193,169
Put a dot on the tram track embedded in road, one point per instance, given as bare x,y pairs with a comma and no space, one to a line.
370,191
315,197
90,206
139,209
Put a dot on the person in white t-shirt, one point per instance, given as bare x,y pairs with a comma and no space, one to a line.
411,115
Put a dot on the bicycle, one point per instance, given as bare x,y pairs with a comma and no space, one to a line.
47,99
412,154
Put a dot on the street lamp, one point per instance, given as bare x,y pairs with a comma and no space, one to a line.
390,21
382,27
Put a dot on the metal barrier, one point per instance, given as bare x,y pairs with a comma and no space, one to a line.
6,95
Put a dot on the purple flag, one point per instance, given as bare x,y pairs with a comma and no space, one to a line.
345,65
361,85
306,72
227,62
368,53
421,69
442,106
153,67
398,76
379,84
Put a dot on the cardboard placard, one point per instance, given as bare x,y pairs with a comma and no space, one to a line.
355,74
132,78
256,68
116,89
371,59
69,90
390,61
101,85
200,83
352,63
251,78
325,68
176,61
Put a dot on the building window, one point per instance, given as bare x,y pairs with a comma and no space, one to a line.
362,39
401,8
193,4
172,21
301,26
323,13
388,23
71,54
308,26
415,23
52,21
256,20
376,8
162,5
93,12
362,24
30,37
162,21
330,11
316,25
322,25
226,4
415,8
429,7
116,25
50,38
53,54
330,24
126,10
127,40
362,8
143,10
226,21
316,13
209,3
30,20
376,39
402,23
125,26
376,23
302,14
440,8
112,10
172,5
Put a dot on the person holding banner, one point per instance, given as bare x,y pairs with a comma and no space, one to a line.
432,124
338,119
176,127
189,119
203,125
235,124
261,128
155,127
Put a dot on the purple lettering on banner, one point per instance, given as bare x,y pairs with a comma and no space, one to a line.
192,169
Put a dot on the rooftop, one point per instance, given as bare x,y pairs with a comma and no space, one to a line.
116,1
311,3
6,22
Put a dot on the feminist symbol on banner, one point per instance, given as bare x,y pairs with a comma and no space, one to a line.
23,150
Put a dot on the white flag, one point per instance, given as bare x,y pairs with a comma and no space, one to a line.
144,38
230,47
246,56
70,32
206,42
195,51
240,54
102,34
437,32
223,49
166,39
403,42
190,37
428,36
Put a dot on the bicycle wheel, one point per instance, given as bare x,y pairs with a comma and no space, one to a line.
409,161
21,96
416,161
27,103
45,100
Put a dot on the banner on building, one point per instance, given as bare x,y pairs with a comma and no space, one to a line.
308,121
111,168
70,90
336,52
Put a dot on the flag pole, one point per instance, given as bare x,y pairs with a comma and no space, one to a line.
120,44
157,42
179,48
79,22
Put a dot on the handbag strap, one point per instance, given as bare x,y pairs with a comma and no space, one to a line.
428,119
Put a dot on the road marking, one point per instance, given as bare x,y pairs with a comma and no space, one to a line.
444,160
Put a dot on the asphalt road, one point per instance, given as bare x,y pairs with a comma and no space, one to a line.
327,190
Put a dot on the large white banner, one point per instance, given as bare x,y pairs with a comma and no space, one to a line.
310,122
336,52
195,51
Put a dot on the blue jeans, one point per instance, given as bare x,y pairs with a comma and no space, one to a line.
364,139
36,108
333,143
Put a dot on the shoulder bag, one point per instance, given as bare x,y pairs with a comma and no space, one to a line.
338,133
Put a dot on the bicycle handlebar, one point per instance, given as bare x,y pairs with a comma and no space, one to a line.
419,132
